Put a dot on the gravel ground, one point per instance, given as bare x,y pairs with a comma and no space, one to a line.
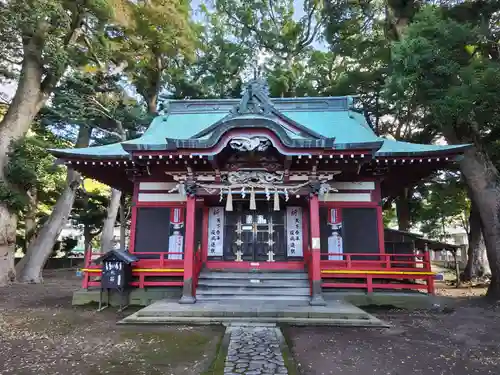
461,341
41,333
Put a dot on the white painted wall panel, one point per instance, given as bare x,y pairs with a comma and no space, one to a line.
347,197
145,186
160,197
363,185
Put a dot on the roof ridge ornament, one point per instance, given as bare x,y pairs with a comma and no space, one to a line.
255,99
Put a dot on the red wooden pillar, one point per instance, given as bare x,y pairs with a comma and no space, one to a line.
133,220
316,292
188,288
386,260
427,267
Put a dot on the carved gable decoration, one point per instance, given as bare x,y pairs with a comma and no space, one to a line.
246,144
255,177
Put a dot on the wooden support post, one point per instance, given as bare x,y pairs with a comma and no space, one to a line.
141,281
430,285
86,264
316,292
428,267
369,283
188,287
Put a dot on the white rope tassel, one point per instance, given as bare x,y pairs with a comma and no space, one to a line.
253,205
229,202
276,200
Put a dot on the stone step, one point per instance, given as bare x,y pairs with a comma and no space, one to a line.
250,297
254,283
350,322
229,290
212,275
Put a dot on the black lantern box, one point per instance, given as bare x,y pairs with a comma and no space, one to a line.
116,269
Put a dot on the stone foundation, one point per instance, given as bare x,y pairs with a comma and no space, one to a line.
137,297
146,296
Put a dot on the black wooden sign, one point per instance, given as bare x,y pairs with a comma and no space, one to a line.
116,269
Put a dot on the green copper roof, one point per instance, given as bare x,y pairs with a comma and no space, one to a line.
327,121
392,147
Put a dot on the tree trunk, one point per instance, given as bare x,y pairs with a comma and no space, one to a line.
477,260
24,107
398,16
403,211
87,237
29,227
41,247
30,217
109,223
152,103
8,224
483,180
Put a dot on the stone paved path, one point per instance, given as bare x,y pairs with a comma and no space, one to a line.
254,351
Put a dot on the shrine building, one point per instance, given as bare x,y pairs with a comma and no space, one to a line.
265,185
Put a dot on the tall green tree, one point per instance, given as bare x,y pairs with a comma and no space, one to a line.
36,179
99,109
446,65
159,36
39,41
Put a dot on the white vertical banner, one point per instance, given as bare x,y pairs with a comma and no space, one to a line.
215,231
176,239
294,231
335,241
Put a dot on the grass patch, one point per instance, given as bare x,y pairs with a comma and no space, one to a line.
167,347
219,362
162,351
286,351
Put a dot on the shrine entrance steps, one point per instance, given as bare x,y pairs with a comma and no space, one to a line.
335,313
232,297
237,286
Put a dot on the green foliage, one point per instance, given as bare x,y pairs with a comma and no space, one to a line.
65,246
98,101
30,165
273,26
59,33
159,36
445,204
31,169
15,200
440,65
89,211
389,217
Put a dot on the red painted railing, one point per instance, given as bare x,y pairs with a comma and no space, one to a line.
383,261
383,271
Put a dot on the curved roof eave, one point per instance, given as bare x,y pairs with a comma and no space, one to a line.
234,124
401,149
111,151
